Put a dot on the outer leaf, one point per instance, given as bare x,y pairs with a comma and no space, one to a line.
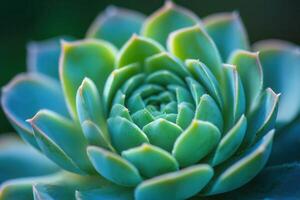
87,58
280,61
176,185
57,138
194,43
113,167
25,95
166,20
251,74
116,25
241,170
43,56
228,32
17,160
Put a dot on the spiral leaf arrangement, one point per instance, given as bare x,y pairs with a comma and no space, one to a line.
180,109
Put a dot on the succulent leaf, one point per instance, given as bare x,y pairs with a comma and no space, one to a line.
43,57
116,25
251,74
176,17
18,97
145,158
227,31
87,58
195,43
113,167
175,185
14,153
280,62
56,137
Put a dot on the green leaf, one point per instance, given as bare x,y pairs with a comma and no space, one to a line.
86,58
164,78
185,115
175,185
208,110
15,163
142,118
198,140
230,143
162,133
280,61
125,134
115,80
116,25
196,89
95,136
57,137
165,61
202,74
43,56
25,95
251,74
90,106
166,20
136,50
151,161
228,32
233,95
17,189
240,170
263,117
119,110
195,43
113,167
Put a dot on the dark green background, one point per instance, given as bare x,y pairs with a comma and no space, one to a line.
25,20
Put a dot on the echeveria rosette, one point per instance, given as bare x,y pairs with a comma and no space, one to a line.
161,118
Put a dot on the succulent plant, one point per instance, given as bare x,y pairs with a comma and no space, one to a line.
164,107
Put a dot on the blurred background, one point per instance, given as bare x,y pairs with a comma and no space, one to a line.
22,21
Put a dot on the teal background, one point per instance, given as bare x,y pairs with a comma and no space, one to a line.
22,21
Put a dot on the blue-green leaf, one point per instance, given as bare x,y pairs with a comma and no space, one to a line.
150,160
167,19
90,106
165,61
136,50
43,56
227,31
195,43
280,61
111,192
240,170
175,185
251,74
87,58
208,110
125,134
197,140
25,95
162,133
113,167
61,141
116,25
18,158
